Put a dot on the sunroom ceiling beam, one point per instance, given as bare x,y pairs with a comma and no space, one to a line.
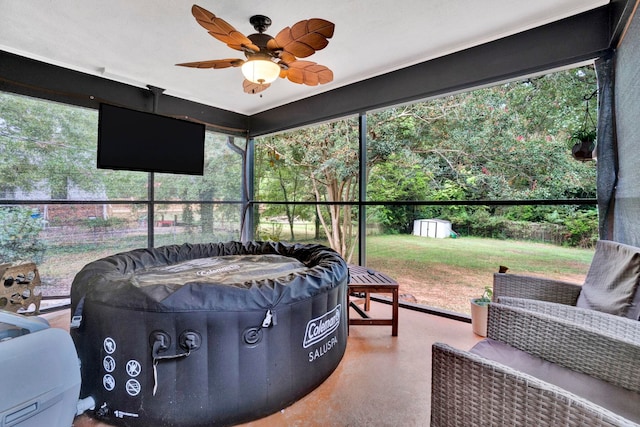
568,41
34,78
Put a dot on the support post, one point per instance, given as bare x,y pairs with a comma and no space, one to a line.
151,195
362,193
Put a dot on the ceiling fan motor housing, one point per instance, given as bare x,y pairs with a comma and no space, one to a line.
260,22
261,41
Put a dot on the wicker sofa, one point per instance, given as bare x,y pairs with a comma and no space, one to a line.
539,369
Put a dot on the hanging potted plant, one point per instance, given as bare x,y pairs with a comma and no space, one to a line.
480,312
584,142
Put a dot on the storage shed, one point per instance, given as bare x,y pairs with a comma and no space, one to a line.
437,228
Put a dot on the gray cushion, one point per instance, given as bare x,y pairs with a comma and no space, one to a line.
612,280
616,399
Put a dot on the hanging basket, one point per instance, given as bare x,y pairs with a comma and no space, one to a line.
583,150
584,139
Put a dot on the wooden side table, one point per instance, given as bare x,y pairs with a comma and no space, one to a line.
366,280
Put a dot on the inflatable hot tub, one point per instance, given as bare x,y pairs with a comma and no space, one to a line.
207,334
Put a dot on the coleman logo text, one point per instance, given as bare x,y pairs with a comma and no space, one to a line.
321,327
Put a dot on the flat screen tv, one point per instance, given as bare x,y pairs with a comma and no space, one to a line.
140,141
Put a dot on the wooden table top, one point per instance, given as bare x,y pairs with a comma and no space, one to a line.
359,275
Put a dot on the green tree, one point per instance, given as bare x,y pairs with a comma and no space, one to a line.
406,183
327,156
289,185
510,141
503,142
45,145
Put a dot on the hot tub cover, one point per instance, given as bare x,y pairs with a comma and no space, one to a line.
213,276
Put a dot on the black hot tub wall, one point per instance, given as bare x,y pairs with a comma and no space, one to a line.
236,370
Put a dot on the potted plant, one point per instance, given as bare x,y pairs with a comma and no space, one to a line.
584,142
480,312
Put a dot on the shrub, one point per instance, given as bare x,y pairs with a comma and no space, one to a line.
582,229
96,222
479,223
19,235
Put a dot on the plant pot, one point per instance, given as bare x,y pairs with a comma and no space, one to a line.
479,315
583,150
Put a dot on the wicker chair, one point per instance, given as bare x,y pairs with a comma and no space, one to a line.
537,288
615,325
470,390
611,284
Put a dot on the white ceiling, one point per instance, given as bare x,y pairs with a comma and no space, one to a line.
140,41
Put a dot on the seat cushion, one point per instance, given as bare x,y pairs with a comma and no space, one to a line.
612,280
618,400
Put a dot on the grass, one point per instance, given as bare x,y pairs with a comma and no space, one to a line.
447,273
444,273
67,254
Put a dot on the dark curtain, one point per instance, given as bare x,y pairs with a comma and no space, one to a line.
607,146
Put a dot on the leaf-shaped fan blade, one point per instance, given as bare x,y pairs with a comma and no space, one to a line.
321,26
222,30
253,88
308,73
305,37
216,63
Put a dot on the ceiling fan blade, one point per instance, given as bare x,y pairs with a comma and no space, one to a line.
253,88
222,30
308,73
305,37
215,63
321,26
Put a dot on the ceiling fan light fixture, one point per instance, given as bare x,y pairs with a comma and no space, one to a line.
260,70
269,57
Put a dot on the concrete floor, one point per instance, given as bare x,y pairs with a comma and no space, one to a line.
381,381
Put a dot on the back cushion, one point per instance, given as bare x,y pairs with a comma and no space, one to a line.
612,280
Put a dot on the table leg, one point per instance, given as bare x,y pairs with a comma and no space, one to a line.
395,303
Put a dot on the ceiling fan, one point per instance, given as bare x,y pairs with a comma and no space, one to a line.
268,58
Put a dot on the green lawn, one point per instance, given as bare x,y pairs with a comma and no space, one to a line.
446,273
443,273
